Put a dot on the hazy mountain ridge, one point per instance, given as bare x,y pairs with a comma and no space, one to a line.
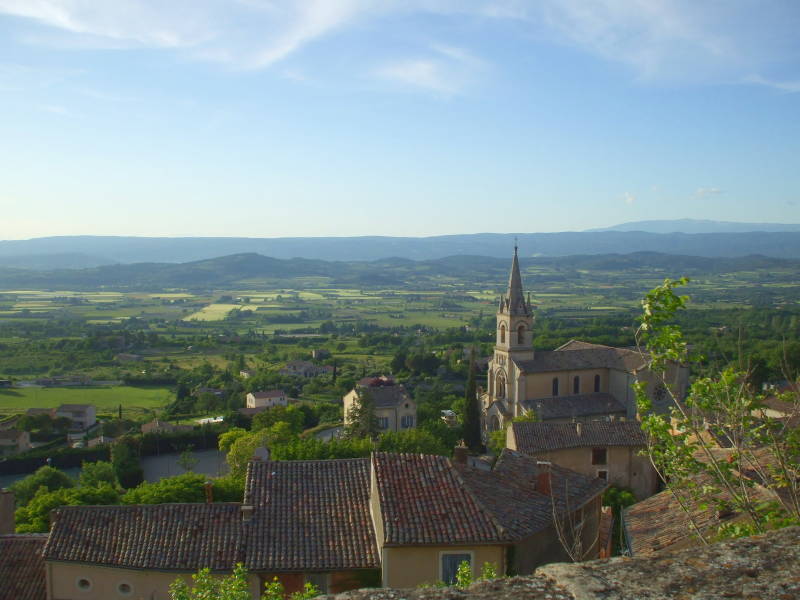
245,270
699,226
91,250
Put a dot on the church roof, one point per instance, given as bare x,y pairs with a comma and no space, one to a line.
514,302
576,356
537,437
579,405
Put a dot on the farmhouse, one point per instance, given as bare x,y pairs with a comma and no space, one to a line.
266,399
394,408
82,416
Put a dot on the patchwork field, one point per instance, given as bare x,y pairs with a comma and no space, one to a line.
135,401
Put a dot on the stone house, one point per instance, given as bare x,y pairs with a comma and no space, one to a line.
394,408
304,368
82,416
612,451
578,381
266,399
13,441
392,519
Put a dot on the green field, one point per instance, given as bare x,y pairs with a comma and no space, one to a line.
135,401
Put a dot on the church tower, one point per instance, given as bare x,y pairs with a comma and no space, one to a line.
513,343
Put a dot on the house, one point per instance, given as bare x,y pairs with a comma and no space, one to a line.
396,520
266,399
611,451
82,416
594,382
22,568
394,408
13,441
246,373
304,368
664,522
100,441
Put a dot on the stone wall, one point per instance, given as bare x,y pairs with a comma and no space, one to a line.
756,568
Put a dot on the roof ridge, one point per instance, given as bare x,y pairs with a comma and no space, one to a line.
501,530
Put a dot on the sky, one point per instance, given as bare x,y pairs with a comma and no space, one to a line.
278,118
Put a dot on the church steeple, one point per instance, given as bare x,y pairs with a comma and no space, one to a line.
514,304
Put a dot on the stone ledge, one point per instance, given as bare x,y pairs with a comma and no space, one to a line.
756,568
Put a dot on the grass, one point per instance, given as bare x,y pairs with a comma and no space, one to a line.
134,400
212,312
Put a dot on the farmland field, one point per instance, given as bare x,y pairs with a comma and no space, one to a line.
135,401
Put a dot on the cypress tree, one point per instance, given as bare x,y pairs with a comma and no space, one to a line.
472,411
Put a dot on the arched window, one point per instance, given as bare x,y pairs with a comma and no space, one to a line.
521,334
597,383
576,385
500,387
502,333
555,386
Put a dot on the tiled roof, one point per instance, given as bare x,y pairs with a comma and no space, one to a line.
76,407
576,355
269,394
387,396
183,537
510,494
660,522
540,437
580,405
310,515
424,500
22,573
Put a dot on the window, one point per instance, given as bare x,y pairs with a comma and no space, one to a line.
501,386
602,475
407,421
597,383
84,584
125,589
502,333
555,386
599,456
449,565
576,385
319,580
383,422
521,334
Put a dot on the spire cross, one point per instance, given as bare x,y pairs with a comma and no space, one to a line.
515,245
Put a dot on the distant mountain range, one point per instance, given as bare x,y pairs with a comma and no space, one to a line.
249,270
80,252
698,226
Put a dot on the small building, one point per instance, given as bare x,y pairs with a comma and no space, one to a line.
246,373
82,416
304,368
611,451
100,441
394,408
13,441
267,399
159,426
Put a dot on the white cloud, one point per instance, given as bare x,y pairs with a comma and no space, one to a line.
629,198
445,70
708,191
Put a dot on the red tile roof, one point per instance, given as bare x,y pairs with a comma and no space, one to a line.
541,437
424,500
182,537
22,573
310,515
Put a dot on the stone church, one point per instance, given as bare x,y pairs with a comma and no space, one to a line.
578,381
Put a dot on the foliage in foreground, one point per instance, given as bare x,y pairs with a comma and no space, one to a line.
232,587
755,484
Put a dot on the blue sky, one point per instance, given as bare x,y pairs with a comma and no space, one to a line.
409,117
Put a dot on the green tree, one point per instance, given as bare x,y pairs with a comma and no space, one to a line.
362,420
35,516
94,474
48,477
292,415
472,410
187,460
181,488
207,586
227,438
243,448
413,441
125,459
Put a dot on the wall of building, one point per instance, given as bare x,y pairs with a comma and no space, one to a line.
410,566
153,585
540,385
625,467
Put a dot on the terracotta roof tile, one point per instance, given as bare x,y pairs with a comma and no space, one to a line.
22,573
540,437
575,356
310,515
183,537
579,405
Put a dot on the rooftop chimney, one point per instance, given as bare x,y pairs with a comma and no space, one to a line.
6,511
460,454
543,484
247,512
209,488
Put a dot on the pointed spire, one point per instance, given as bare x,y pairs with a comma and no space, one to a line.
516,300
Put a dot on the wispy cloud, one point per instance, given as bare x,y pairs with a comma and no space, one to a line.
445,70
708,191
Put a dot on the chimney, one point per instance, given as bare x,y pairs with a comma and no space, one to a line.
460,454
578,428
209,488
6,511
543,478
247,513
